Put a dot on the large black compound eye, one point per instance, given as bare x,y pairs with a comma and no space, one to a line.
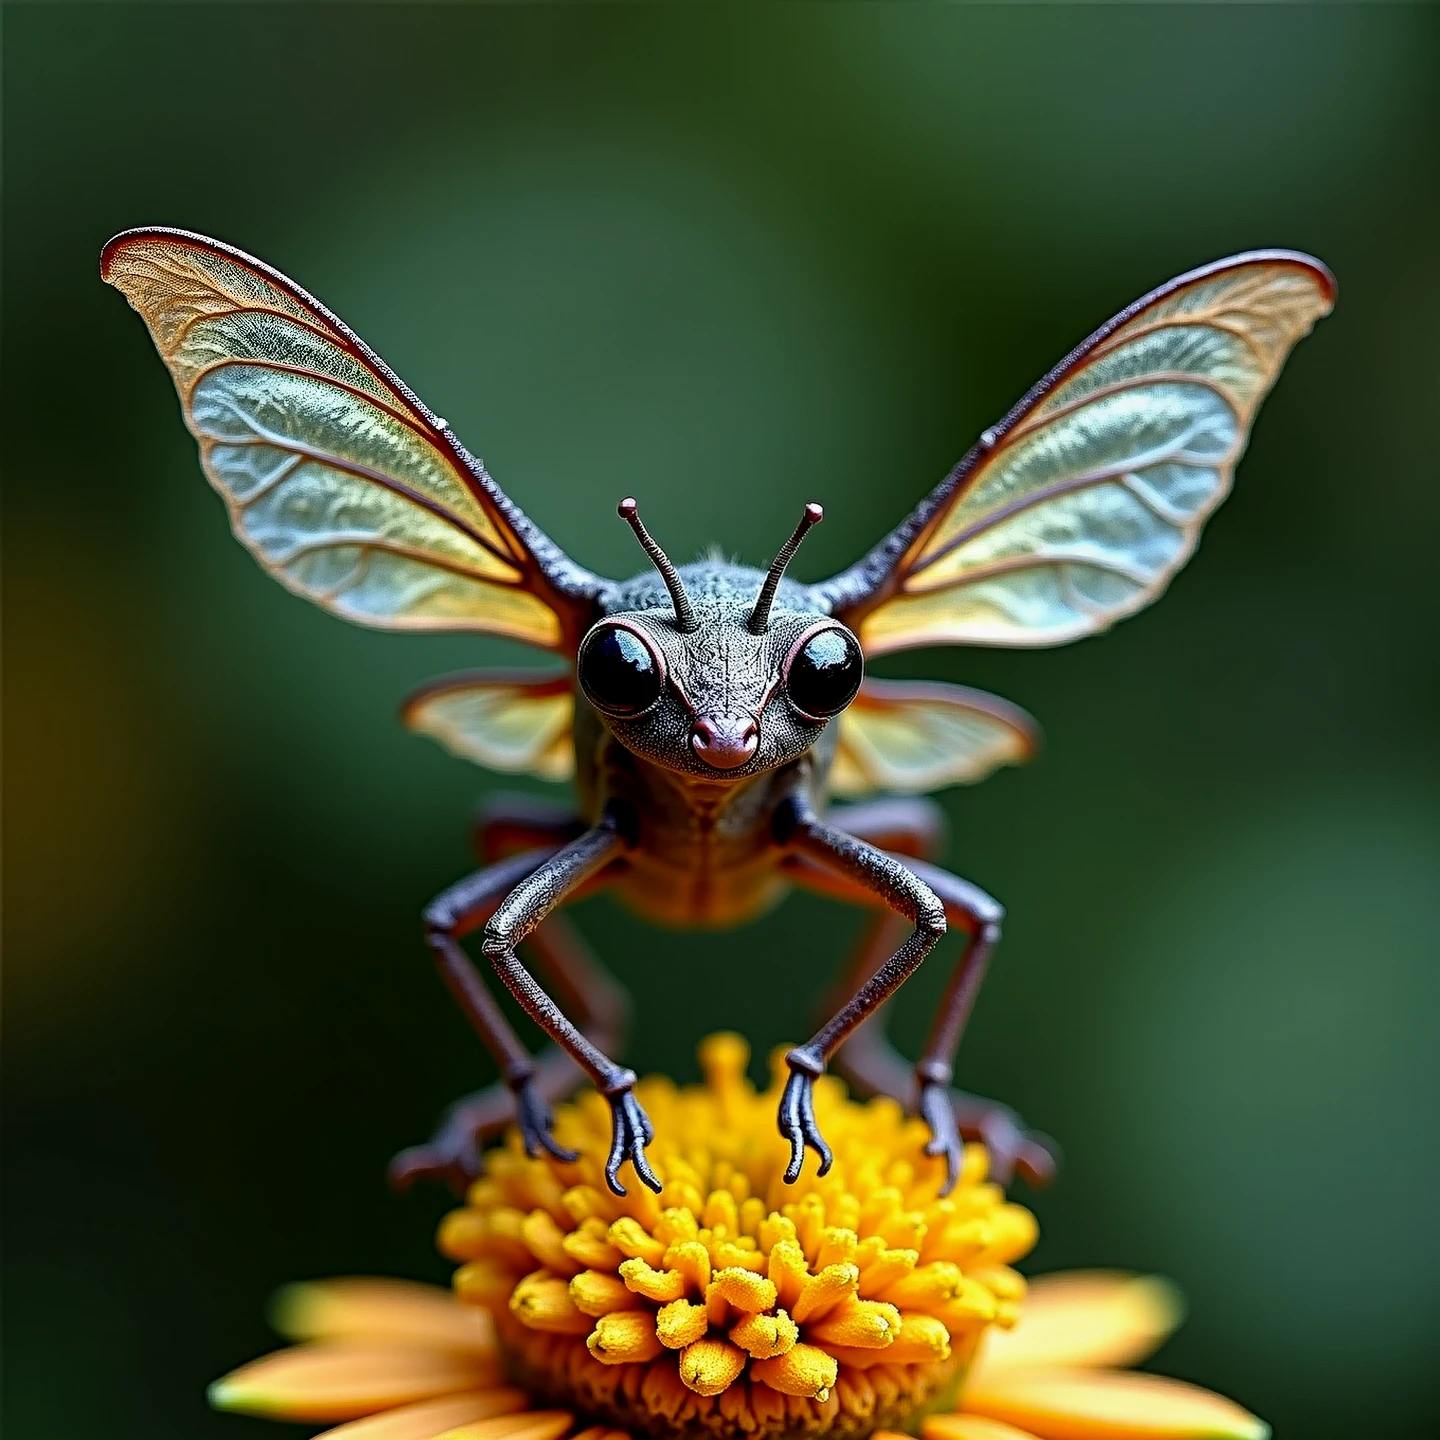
619,672
824,671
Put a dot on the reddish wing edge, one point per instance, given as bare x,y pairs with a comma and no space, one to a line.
569,589
874,578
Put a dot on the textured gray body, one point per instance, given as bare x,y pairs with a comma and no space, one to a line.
705,854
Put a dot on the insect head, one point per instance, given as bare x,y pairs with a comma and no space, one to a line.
735,680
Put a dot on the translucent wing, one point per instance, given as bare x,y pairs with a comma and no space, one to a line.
1080,505
912,736
338,480
510,720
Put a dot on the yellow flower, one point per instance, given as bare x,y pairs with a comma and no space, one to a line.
731,1305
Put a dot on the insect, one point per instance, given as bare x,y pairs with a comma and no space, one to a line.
708,713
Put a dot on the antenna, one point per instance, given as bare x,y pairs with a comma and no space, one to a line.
685,620
759,621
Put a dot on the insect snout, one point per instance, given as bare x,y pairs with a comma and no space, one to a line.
724,742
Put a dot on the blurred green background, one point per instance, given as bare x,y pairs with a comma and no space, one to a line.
728,261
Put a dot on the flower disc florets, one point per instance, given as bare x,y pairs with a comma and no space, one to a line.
732,1303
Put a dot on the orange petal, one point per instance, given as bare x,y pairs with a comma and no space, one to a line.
428,1418
534,1425
380,1310
969,1427
1086,1317
1083,1404
344,1379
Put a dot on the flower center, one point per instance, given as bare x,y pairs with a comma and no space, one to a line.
732,1303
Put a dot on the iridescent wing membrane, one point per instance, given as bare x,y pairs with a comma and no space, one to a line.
338,480
514,721
907,737
897,736
1070,514
1077,509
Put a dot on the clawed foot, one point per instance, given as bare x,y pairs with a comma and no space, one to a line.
452,1155
796,1119
631,1131
954,1117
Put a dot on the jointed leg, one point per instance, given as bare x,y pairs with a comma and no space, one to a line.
603,1010
533,1084
868,1059
452,1153
1000,1129
873,1066
861,866
507,824
912,825
522,910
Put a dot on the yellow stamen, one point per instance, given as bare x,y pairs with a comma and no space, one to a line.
588,1246
821,1293
765,1335
661,1286
546,1242
624,1337
542,1302
710,1366
743,1289
731,1291
629,1238
692,1260
596,1293
484,1283
837,1247
680,1323
804,1370
788,1271
870,1324
921,1338
885,1268
722,1211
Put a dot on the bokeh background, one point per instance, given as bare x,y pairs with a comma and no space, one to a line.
727,260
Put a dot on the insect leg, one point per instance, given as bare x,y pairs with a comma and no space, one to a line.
911,825
874,1066
1009,1144
453,1153
517,916
507,823
603,1007
855,864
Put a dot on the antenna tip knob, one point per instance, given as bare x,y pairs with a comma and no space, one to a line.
627,508
814,513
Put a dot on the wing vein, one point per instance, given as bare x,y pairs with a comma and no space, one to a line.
264,436
425,432
1211,321
1157,506
1104,475
1026,562
283,471
352,578
1042,420
367,540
